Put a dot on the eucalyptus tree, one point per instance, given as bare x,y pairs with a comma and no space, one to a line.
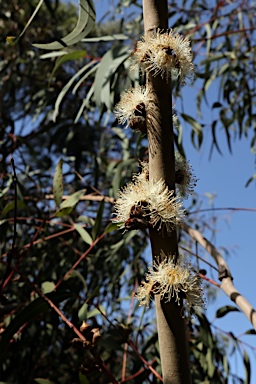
64,260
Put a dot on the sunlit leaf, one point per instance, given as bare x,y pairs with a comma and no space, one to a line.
67,57
63,211
94,312
47,286
58,183
82,313
13,40
84,234
73,199
84,25
108,66
67,87
43,381
116,36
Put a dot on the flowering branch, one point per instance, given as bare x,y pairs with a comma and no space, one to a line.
171,326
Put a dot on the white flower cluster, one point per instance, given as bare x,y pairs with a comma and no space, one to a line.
170,280
167,54
152,201
146,203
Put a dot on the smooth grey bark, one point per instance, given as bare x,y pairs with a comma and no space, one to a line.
171,326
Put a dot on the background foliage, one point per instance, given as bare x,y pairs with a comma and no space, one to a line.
59,104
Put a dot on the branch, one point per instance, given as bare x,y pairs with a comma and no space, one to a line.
171,326
224,274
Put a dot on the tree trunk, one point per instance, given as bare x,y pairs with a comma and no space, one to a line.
171,326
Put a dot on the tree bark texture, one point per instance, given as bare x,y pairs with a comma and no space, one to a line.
171,326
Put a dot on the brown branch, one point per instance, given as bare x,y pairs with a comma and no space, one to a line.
66,321
224,274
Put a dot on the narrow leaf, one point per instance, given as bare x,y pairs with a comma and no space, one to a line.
66,88
97,226
118,36
85,23
95,312
73,199
67,57
250,332
84,234
43,381
111,227
13,40
225,310
247,366
82,313
58,183
10,207
64,211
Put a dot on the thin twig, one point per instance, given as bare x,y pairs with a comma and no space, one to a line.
11,253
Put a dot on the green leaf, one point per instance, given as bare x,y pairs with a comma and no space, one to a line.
85,23
111,227
83,379
108,66
97,226
250,332
225,310
58,183
195,125
84,234
82,313
117,36
210,363
73,199
43,381
11,206
67,57
216,105
74,273
95,312
63,211
47,286
95,293
247,366
66,88
215,143
250,180
117,179
12,39
36,308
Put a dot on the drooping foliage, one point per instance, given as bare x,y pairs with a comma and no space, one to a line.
59,104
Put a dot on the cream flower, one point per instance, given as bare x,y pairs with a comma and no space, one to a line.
144,293
165,53
132,196
148,203
170,280
133,104
166,209
184,177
